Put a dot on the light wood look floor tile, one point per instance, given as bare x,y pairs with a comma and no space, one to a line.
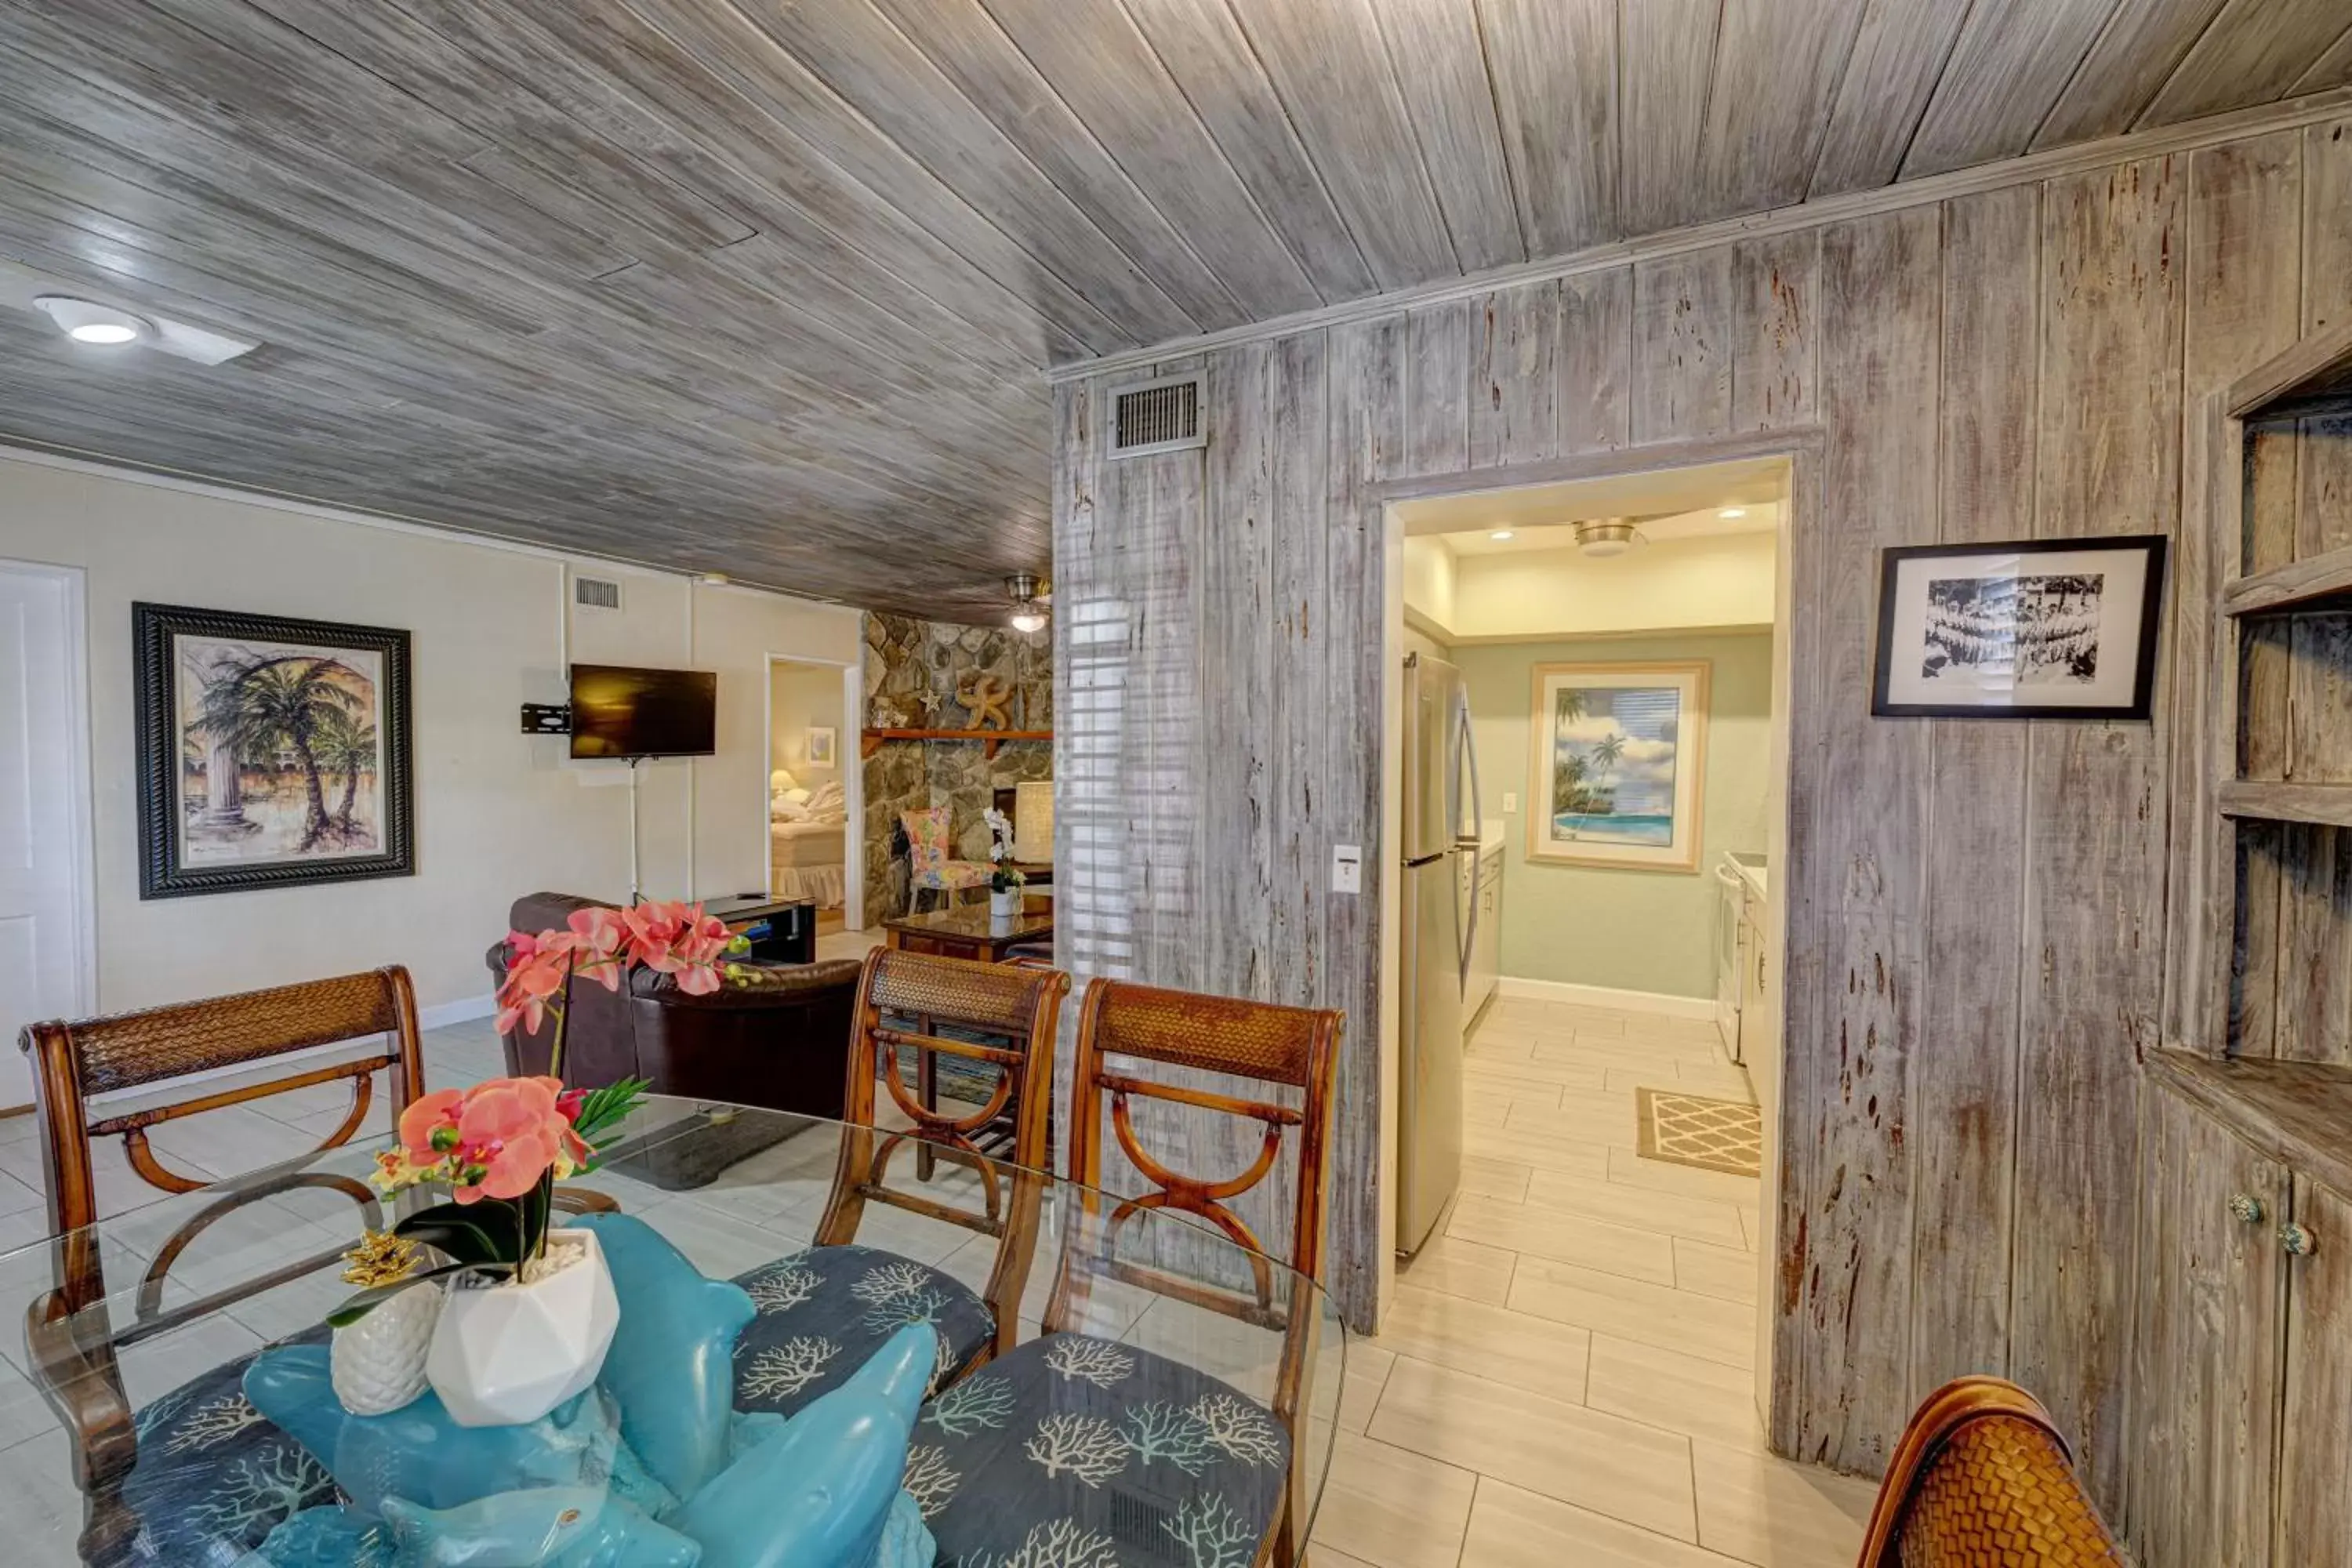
1513,1527
1626,1470
1628,1166
1681,1393
1775,1514
1565,1237
1589,1118
1493,1178
1650,1314
1490,1341
1702,1219
1729,1272
1460,1267
1391,1508
1544,1152
1368,1373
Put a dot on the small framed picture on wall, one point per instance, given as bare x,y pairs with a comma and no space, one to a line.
1617,764
2040,628
821,738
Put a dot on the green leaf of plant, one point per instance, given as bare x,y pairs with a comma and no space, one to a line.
460,1230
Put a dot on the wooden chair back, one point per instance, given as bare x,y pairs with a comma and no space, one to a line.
73,1348
1982,1475
73,1061
1295,1049
1004,1018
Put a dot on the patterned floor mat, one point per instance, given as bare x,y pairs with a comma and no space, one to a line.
1725,1135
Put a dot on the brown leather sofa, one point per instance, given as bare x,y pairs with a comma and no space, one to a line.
782,1045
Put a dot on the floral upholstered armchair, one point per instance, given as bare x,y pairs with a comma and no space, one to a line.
928,867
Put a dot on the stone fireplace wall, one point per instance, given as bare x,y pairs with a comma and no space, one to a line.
913,670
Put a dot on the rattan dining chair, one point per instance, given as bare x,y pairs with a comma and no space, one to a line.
1983,1478
73,1334
1244,1482
822,1309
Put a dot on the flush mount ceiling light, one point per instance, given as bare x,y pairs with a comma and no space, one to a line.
1606,536
1502,534
1027,594
87,321
1732,512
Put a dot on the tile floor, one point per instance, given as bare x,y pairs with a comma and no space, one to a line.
1565,1377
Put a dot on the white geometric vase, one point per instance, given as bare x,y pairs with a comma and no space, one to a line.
509,1352
377,1364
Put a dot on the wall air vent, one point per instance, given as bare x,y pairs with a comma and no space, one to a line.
595,593
1163,416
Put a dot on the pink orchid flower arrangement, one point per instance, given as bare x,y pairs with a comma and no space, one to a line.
502,1146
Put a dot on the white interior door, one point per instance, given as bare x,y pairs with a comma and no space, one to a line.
44,834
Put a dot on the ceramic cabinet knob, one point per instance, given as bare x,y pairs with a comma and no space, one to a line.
2296,1240
2245,1208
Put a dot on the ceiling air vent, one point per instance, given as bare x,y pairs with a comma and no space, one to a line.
595,593
1156,416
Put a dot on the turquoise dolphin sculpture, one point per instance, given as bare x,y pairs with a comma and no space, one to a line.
821,1493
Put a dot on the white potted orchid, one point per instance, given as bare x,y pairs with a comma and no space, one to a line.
1004,882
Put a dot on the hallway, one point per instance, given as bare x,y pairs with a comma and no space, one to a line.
1565,1375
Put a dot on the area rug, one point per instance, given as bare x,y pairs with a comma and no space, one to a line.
1725,1135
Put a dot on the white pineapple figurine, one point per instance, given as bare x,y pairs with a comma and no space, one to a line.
377,1364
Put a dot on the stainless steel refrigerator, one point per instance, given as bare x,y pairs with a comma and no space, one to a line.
1440,830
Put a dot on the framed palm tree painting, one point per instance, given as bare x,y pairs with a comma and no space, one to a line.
272,751
1617,763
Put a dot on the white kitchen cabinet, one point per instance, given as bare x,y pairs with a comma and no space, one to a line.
1485,943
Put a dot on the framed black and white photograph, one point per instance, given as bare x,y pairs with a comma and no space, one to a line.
272,753
2042,629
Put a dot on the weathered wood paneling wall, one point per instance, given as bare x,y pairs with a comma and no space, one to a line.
1975,908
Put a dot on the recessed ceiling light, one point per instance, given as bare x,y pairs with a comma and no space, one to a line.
86,321
1732,511
1502,534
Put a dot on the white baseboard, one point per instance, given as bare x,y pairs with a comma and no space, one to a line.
464,1010
1604,996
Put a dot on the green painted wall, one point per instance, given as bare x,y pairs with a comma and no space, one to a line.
1633,930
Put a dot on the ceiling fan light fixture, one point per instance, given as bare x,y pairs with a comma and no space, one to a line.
1607,536
1027,591
87,321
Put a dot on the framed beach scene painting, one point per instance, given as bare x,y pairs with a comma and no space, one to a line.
272,751
1617,757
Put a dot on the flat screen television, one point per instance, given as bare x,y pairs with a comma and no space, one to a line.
617,711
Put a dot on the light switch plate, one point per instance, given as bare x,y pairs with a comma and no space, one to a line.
1347,869
1510,800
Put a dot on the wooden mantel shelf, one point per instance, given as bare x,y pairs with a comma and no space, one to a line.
2328,804
988,739
2298,1113
2291,586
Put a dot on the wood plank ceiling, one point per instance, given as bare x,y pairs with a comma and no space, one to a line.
768,288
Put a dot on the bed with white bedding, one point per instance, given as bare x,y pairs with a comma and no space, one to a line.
808,860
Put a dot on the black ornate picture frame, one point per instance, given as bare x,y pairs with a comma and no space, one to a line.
273,753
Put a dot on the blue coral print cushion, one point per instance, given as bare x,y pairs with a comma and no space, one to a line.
214,1477
1085,1453
823,1310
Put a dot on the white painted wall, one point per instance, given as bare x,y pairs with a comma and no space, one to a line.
805,695
497,813
1709,584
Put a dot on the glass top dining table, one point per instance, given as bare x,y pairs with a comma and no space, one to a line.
175,1295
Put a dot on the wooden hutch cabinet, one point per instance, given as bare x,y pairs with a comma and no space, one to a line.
2241,1361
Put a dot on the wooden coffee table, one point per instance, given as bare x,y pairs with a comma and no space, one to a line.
969,932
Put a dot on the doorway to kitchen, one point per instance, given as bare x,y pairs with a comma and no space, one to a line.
1599,1031
813,801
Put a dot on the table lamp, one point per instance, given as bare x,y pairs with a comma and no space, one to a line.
1033,823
